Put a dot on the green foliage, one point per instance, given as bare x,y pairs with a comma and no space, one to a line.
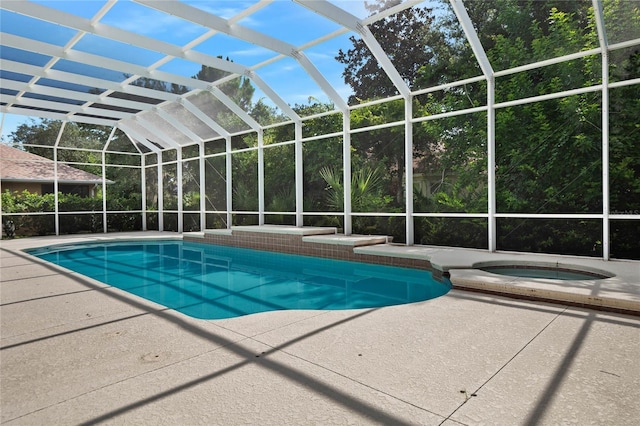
41,219
366,193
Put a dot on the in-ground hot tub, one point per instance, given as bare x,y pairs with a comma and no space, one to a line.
553,271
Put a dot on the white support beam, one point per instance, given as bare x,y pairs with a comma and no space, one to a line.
346,172
104,178
55,178
200,115
67,77
143,189
606,228
151,128
599,17
280,103
208,20
342,17
472,37
203,185
491,165
131,133
261,204
177,124
180,191
299,174
408,170
229,178
69,108
160,194
54,115
228,102
113,33
73,94
103,160
317,76
104,62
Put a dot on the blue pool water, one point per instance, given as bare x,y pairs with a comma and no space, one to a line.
214,282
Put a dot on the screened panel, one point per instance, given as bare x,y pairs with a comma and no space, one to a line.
151,187
122,222
77,135
624,64
21,56
246,53
191,151
217,111
450,164
373,115
217,146
245,181
81,223
456,98
451,231
290,70
121,143
283,133
515,33
88,70
575,74
381,225
215,184
35,29
621,20
191,185
164,130
169,155
170,186
624,163
112,49
549,156
624,238
377,165
563,236
323,175
280,178
186,118
43,133
244,141
150,138
370,85
191,222
123,159
125,191
139,18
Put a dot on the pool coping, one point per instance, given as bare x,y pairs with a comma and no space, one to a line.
620,293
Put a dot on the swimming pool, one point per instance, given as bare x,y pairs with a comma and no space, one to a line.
214,282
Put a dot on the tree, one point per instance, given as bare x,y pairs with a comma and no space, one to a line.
402,36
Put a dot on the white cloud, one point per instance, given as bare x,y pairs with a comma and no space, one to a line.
254,51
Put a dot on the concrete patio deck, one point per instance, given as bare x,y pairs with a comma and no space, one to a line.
76,351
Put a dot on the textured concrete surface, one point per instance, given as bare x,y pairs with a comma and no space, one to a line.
74,351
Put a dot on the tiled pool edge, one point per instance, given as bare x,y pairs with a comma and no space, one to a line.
301,244
297,241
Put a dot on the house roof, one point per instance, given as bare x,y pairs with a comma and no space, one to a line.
21,166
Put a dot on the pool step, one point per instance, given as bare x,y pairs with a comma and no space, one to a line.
287,230
347,240
309,234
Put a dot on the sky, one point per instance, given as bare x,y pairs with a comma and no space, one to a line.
281,19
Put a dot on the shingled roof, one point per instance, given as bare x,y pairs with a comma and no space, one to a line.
21,166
